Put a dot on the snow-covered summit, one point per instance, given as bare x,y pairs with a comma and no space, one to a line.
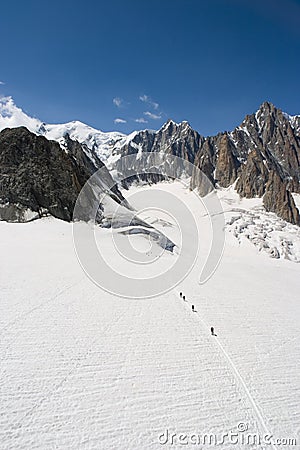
170,123
11,116
102,143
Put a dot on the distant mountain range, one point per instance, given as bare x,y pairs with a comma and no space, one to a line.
261,158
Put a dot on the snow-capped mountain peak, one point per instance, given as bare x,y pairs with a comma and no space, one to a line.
11,116
102,143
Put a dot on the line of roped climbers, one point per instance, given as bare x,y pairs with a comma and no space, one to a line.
212,330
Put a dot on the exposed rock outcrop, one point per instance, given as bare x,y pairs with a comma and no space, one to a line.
253,176
37,177
227,164
279,199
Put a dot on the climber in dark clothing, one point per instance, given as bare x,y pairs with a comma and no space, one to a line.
212,330
180,294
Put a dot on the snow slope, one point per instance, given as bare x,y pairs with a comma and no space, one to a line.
82,369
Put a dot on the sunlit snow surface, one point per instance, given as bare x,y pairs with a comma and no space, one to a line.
81,369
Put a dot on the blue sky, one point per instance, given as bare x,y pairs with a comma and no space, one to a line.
210,62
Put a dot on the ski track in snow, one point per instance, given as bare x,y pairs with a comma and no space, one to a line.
238,376
81,369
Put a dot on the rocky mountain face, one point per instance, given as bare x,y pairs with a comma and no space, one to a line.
262,156
176,139
38,177
150,148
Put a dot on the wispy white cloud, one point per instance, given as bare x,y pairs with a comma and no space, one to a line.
119,120
146,99
2,82
118,102
141,120
152,116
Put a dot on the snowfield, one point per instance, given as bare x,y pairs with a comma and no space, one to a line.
83,369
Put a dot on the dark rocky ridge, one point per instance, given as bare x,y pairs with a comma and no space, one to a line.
37,175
